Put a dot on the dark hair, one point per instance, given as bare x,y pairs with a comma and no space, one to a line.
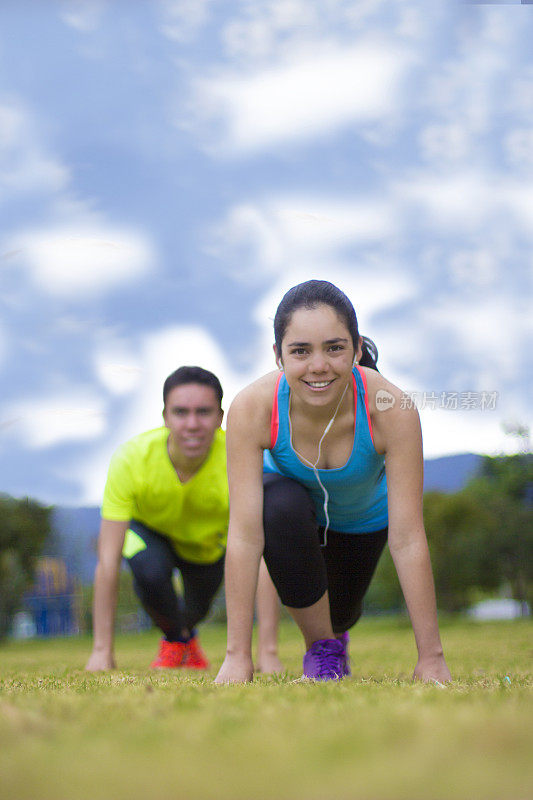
185,375
312,294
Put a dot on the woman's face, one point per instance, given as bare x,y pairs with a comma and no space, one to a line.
317,354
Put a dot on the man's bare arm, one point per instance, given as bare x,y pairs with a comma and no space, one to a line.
110,544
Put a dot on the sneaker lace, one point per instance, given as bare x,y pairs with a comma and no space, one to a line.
329,660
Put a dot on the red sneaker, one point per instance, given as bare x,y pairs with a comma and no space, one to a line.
195,658
171,655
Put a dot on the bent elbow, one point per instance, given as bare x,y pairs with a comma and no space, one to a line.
402,539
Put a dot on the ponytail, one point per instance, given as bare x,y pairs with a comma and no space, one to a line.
369,357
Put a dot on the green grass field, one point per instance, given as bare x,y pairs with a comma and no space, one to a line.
133,733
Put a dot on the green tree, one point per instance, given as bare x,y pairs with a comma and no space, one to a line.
480,538
504,488
512,475
24,528
458,527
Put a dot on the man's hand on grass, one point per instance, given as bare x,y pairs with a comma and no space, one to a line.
99,662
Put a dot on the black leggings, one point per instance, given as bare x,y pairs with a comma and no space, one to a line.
301,569
152,579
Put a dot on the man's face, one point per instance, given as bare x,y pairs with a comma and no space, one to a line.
192,414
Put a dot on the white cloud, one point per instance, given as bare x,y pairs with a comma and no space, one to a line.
476,91
450,432
462,97
413,22
47,421
288,232
310,93
82,15
82,261
3,346
493,334
517,101
78,253
443,143
467,200
319,225
263,30
33,173
267,29
494,26
359,13
117,368
459,199
25,166
477,268
518,147
517,198
11,126
182,19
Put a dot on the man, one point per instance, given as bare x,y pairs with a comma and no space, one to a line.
165,506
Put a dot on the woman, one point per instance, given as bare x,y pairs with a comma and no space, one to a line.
343,462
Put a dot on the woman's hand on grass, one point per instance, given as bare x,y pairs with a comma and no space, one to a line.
235,669
432,670
99,661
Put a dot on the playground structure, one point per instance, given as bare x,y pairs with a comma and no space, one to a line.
53,602
58,604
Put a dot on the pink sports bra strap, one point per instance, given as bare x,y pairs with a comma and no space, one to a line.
363,376
274,420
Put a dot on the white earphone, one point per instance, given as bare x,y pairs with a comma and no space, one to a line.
314,466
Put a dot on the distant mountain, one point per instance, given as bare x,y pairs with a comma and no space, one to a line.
450,473
75,530
74,537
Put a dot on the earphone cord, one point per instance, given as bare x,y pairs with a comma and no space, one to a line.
314,466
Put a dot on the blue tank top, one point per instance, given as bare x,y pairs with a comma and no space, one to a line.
358,490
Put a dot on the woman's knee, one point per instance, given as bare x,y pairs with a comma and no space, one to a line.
343,619
287,506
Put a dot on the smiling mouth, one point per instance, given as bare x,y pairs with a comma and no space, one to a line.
318,384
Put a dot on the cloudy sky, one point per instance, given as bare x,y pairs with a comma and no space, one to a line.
169,168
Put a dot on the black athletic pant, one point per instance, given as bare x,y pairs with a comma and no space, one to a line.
152,579
301,569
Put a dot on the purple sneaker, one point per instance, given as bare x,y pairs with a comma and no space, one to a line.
344,639
324,661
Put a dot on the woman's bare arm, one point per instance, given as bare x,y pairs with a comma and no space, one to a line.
245,444
399,430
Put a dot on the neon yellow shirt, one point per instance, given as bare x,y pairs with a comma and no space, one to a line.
142,484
